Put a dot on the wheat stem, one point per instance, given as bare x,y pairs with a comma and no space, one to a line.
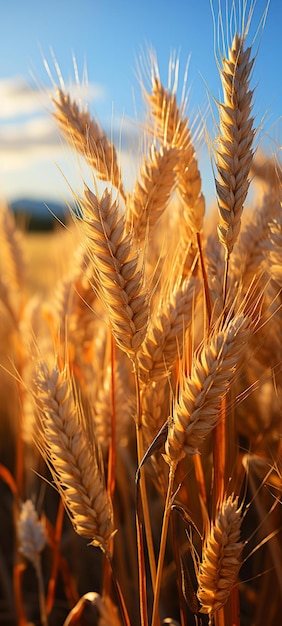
144,497
41,593
56,557
167,509
122,606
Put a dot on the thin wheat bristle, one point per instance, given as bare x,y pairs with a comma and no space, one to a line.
221,558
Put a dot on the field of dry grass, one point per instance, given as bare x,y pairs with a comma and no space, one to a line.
140,381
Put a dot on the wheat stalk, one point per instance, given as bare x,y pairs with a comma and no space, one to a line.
123,411
68,444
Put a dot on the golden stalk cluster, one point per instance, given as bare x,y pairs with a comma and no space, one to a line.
149,372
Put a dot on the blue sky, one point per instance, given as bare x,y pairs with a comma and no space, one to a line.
109,37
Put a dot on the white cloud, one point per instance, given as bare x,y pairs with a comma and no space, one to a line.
19,98
32,148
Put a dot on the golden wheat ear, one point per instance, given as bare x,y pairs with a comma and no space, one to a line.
151,194
234,152
119,272
163,343
12,264
172,129
86,136
68,444
221,558
214,365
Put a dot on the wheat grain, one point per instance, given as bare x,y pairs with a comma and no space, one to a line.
274,252
12,265
155,407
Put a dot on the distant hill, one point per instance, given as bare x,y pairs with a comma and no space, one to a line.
39,214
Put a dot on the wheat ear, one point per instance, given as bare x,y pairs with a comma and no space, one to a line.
274,252
234,144
116,264
32,540
172,128
86,136
164,340
12,253
151,194
68,444
221,558
12,265
214,365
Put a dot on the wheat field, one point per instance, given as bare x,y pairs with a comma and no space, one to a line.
140,379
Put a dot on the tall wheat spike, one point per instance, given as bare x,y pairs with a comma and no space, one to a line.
151,194
214,365
86,136
166,330
66,438
234,152
117,266
221,560
171,126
